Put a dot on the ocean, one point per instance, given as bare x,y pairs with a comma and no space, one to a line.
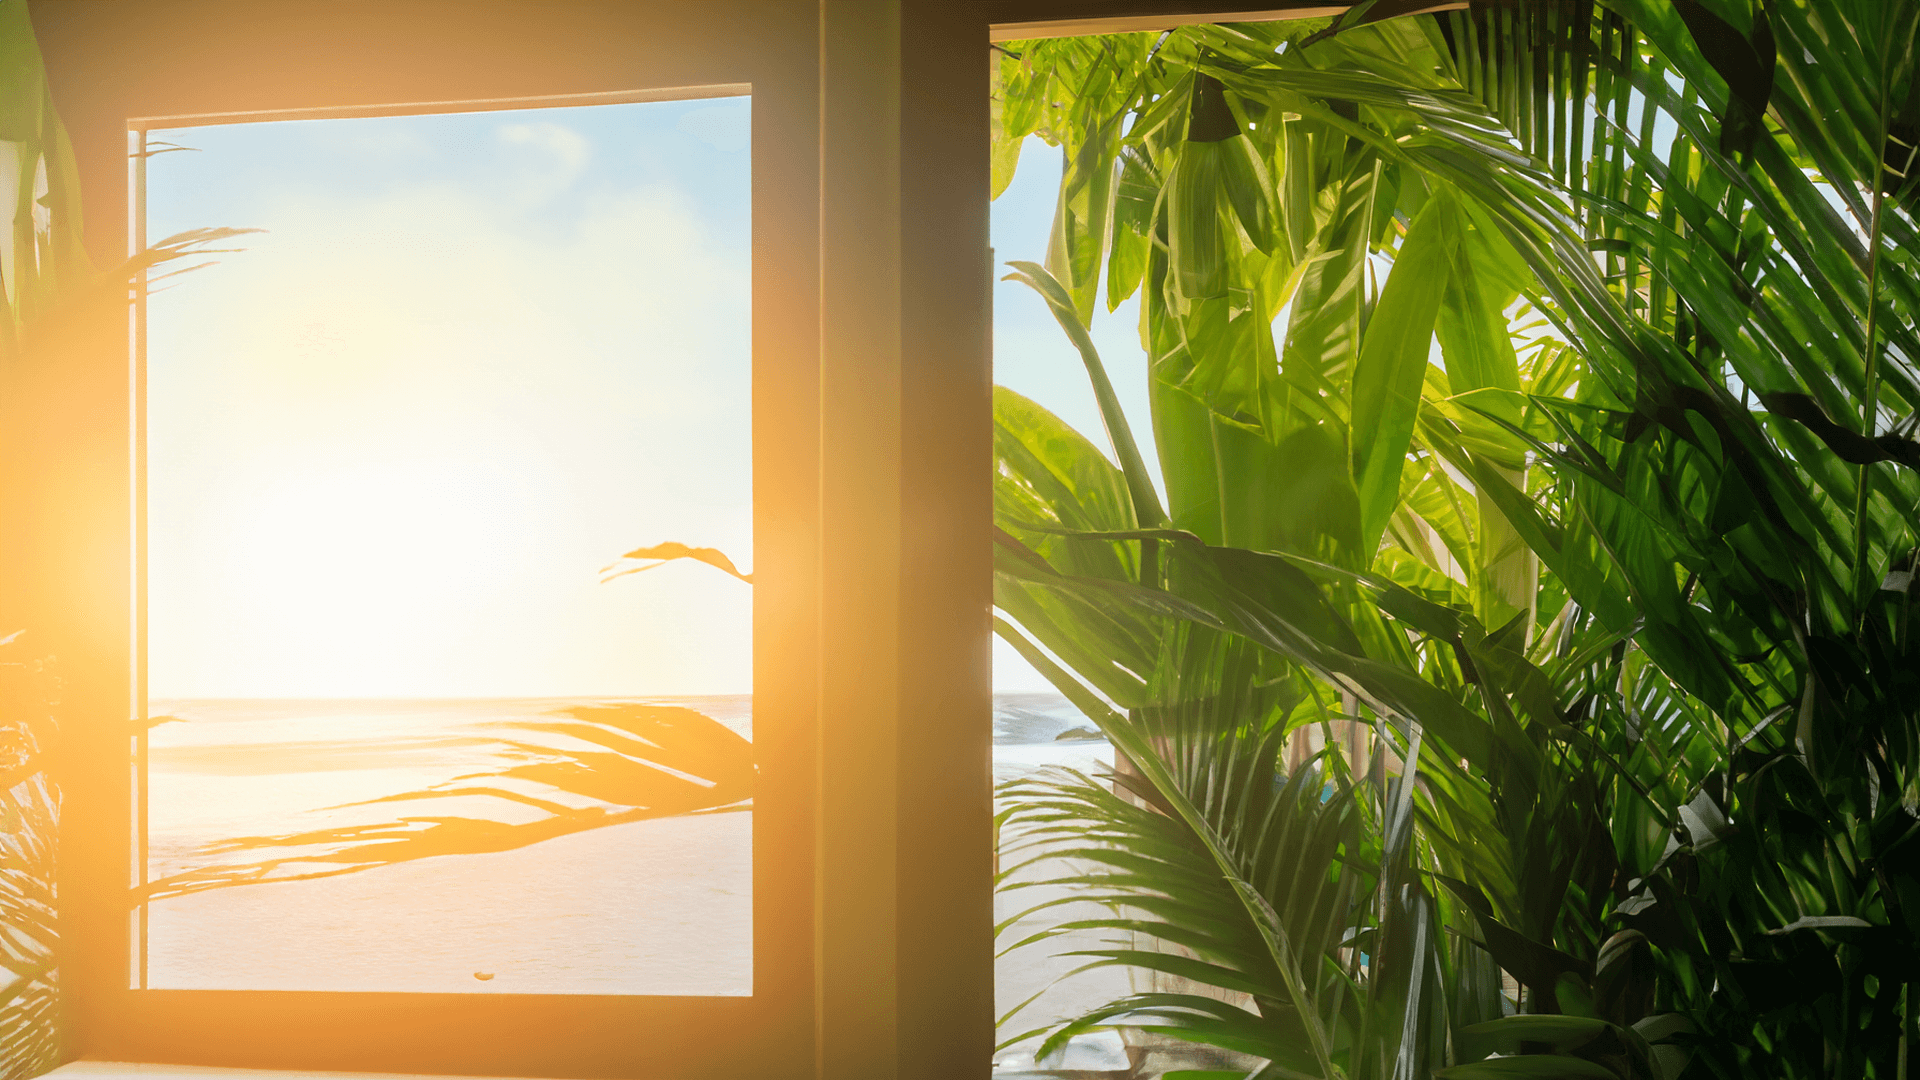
655,906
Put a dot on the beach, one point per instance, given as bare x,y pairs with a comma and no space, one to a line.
660,906
649,907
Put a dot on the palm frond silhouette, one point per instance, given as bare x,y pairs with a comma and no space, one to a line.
592,766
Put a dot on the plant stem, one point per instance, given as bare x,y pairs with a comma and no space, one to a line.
1906,1026
1872,355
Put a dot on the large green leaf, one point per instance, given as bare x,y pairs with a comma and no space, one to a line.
1393,362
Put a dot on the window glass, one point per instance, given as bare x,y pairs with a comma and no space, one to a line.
416,724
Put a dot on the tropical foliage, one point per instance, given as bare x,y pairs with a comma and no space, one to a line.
39,256
29,823
54,307
589,767
1619,578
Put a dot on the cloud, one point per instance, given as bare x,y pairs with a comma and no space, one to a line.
723,127
562,155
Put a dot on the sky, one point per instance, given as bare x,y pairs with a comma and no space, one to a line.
1032,356
472,359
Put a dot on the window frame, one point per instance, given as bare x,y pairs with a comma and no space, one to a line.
438,58
139,154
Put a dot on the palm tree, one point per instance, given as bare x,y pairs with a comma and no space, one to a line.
30,808
1349,578
1744,457
1716,638
41,269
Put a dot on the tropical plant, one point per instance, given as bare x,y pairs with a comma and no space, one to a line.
590,767
1243,195
55,309
29,830
1744,456
1706,570
39,256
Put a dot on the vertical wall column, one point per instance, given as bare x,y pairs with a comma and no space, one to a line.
905,907
856,890
946,810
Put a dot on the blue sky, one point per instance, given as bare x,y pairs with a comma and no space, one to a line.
472,359
1032,356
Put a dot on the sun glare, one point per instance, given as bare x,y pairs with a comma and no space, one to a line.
392,441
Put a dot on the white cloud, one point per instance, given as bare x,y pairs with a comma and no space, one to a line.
560,155
723,127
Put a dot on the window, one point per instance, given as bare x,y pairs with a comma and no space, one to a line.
367,458
288,62
399,737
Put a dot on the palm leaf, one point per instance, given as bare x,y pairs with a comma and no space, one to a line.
652,761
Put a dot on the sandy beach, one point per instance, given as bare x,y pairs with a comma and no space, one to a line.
650,907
